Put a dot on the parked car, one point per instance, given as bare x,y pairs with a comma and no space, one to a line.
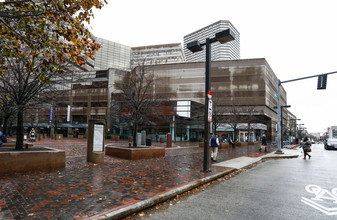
330,144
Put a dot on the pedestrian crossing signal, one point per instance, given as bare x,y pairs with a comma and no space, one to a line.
321,84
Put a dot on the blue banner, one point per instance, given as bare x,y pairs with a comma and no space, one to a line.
51,114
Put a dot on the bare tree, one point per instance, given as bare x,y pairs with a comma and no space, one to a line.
250,117
217,113
135,101
233,117
26,90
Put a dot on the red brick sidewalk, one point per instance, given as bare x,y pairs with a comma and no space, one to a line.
82,190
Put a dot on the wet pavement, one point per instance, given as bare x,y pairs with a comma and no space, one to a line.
84,190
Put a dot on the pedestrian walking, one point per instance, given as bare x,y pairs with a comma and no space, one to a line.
230,141
263,143
214,143
306,145
32,135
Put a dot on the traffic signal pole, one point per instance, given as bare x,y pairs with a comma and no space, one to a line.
322,80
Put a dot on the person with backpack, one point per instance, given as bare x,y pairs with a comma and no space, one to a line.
214,143
263,143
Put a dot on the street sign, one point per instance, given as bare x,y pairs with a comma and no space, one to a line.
209,110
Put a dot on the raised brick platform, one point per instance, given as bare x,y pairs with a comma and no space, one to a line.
135,153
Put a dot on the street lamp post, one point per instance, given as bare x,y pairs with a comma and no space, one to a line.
195,46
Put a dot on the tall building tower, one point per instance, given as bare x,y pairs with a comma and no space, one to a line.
227,51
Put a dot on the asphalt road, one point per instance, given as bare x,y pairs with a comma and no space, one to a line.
275,189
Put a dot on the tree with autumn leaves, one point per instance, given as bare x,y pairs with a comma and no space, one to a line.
40,40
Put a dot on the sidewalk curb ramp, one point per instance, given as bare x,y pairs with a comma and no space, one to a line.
124,211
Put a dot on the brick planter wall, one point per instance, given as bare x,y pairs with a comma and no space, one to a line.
135,153
22,161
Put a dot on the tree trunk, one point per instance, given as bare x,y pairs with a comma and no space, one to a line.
19,132
5,127
135,128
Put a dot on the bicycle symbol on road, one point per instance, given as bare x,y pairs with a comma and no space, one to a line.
322,196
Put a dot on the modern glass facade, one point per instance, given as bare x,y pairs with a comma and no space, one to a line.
157,54
227,51
112,55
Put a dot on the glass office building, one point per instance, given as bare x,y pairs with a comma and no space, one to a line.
112,55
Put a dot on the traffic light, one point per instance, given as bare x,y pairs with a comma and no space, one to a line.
321,84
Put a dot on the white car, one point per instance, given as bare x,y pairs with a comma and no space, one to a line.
330,144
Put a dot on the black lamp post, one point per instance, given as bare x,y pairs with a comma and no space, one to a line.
195,46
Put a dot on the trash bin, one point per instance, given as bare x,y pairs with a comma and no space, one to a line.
148,142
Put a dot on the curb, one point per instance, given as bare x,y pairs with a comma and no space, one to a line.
126,211
139,206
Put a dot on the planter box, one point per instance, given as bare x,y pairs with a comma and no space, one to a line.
244,144
237,144
224,145
135,153
12,161
115,138
13,144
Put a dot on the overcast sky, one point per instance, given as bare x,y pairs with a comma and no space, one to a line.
298,38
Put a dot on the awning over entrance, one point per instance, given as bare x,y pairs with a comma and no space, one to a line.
242,126
68,125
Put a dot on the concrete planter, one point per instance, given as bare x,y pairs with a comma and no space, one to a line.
135,153
12,161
